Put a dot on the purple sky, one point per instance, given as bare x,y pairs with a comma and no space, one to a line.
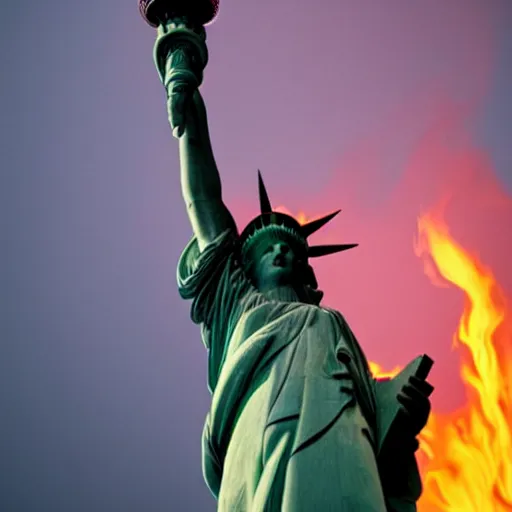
368,106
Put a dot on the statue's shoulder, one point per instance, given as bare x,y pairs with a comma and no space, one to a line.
199,268
335,313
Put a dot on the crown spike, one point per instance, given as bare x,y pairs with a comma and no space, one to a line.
264,200
310,227
317,251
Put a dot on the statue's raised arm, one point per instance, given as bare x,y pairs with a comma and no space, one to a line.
180,56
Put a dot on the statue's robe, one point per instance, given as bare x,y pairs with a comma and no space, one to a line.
292,424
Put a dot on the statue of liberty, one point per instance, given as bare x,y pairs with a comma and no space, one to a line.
297,422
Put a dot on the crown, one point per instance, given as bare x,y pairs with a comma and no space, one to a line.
282,227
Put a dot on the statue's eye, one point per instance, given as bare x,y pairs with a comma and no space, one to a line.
268,249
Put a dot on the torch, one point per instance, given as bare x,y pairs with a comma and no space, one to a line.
180,51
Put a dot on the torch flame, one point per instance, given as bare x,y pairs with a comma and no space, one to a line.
468,452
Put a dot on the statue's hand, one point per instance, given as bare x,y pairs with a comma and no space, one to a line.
414,397
180,56
181,80
179,98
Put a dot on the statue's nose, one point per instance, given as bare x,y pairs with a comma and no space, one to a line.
282,248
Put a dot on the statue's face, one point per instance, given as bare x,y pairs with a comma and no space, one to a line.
276,266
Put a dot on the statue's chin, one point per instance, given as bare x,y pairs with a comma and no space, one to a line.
274,283
280,278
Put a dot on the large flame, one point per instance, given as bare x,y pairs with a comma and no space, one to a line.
468,452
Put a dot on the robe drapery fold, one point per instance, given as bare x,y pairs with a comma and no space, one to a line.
292,423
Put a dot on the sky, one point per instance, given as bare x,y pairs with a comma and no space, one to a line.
379,108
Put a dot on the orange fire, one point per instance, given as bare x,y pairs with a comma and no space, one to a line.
300,217
468,453
379,373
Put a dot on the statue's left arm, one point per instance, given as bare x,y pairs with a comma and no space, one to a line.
396,461
401,415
